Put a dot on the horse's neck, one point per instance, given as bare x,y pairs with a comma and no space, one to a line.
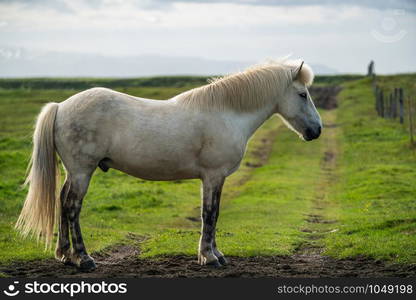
249,122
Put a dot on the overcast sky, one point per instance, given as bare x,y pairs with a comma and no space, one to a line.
341,36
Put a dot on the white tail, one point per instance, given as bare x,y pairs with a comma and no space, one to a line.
40,210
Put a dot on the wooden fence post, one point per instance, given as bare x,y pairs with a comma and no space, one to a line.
390,105
401,110
395,96
381,104
410,110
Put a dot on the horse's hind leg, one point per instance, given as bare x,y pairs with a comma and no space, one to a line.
77,190
63,245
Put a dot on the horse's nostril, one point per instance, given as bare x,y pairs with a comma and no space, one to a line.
309,133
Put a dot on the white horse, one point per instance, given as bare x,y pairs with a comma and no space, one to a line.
201,133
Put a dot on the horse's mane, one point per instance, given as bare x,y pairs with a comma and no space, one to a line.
247,90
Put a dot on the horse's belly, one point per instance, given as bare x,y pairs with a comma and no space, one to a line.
154,174
158,169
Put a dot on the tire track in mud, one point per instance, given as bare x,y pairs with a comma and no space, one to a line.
310,251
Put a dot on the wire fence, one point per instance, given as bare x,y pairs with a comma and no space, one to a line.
393,104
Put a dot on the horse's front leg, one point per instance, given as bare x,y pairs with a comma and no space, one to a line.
221,258
211,194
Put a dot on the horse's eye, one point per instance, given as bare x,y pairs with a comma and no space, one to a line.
303,95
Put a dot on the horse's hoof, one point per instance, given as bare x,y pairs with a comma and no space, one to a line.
214,264
87,266
223,261
68,262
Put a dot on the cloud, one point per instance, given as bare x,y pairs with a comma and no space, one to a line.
336,35
58,5
408,5
182,16
65,5
381,4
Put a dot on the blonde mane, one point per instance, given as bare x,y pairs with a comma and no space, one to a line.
248,90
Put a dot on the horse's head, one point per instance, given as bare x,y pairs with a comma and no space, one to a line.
296,107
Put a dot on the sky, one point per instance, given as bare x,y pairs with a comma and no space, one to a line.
342,36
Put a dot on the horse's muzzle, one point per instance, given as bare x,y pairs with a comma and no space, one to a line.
312,134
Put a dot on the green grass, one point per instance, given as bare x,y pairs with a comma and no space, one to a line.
263,209
375,197
165,81
85,83
405,81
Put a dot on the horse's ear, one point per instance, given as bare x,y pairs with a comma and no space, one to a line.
296,72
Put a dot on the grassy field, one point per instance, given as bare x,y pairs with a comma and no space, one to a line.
375,196
166,81
369,196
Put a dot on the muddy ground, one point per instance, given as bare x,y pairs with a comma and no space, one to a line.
122,261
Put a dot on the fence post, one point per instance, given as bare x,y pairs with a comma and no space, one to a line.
401,110
395,96
381,103
376,97
390,105
410,110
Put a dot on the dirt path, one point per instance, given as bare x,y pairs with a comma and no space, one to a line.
122,261
308,261
317,224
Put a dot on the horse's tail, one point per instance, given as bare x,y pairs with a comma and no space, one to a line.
40,210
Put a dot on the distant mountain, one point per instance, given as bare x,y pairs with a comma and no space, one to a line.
20,62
